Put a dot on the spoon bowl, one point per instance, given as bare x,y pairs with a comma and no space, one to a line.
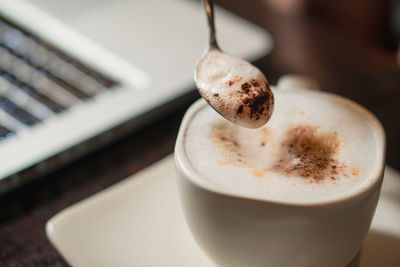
232,86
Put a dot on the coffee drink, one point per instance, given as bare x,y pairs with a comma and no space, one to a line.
316,147
300,191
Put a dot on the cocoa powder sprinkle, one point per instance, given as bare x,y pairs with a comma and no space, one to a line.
246,87
311,155
240,109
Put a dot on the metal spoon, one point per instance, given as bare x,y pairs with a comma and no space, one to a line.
232,86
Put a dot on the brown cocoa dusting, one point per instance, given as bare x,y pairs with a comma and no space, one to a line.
257,105
310,155
240,109
229,140
227,143
259,173
256,102
355,171
255,83
233,81
304,152
246,87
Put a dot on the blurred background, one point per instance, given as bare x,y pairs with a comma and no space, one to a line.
350,47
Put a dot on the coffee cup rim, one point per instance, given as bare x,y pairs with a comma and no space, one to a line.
183,163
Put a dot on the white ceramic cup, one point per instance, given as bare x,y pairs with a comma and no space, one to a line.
240,231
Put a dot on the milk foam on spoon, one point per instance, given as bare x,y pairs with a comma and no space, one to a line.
235,89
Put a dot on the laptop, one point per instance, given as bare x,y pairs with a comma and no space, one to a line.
77,74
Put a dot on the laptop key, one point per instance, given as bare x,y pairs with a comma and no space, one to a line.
32,92
24,68
17,112
87,71
52,89
44,99
5,132
10,122
24,100
5,58
67,86
69,73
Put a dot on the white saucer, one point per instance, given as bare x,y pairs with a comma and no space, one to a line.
139,222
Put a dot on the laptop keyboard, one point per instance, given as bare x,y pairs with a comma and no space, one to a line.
38,81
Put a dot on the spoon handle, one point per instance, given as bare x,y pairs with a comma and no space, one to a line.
209,7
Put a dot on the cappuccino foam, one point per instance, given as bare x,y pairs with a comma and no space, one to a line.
316,146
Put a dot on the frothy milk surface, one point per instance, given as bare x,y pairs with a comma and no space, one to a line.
316,146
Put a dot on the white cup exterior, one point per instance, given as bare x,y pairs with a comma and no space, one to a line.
240,231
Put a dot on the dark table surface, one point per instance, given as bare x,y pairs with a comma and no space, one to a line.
360,67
